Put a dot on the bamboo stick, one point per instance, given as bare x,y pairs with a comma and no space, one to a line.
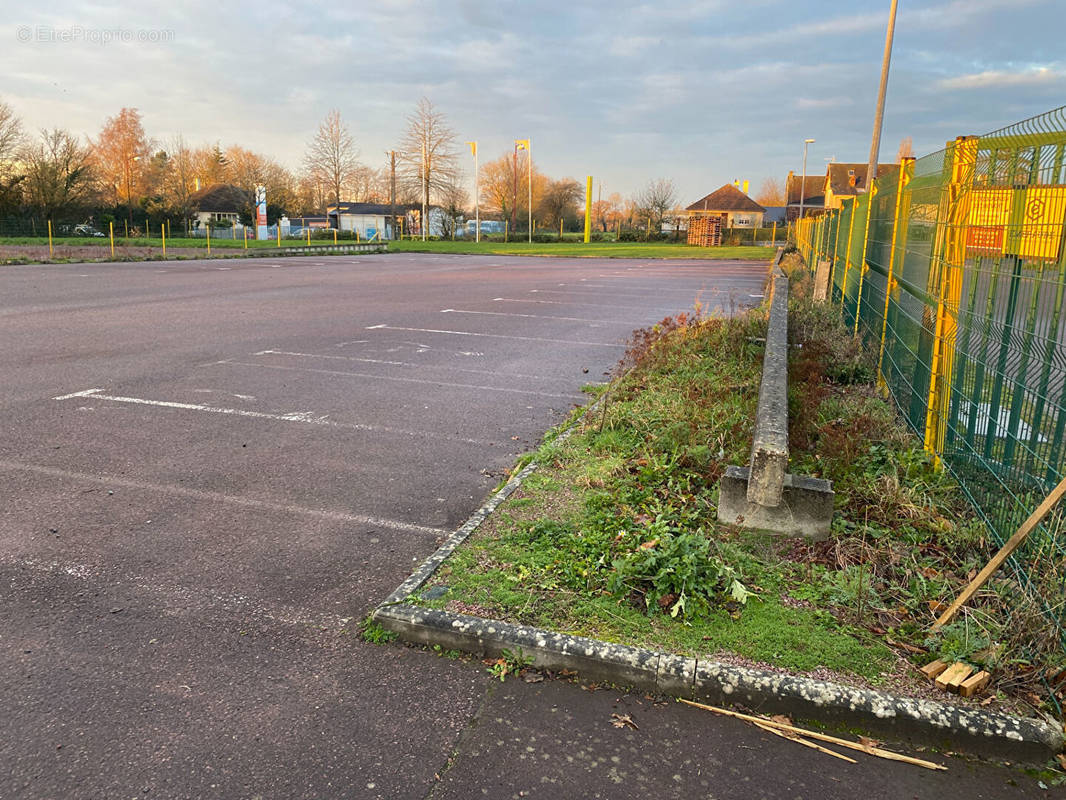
805,743
823,737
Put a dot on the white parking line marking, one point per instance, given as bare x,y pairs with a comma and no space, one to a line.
218,497
305,417
595,323
399,379
492,335
407,364
658,292
592,305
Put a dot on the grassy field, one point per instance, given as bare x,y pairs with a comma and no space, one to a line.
155,241
615,536
590,250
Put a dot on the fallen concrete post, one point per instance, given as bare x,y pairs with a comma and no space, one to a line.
764,495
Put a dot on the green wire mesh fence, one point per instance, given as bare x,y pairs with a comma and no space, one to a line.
953,270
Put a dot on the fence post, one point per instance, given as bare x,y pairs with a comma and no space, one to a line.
863,266
956,208
847,252
50,250
111,236
899,234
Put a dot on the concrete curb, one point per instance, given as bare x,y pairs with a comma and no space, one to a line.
924,722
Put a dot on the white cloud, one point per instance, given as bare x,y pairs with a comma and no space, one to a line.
823,102
998,79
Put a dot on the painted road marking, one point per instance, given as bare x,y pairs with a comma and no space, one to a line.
218,497
595,323
695,292
305,417
408,364
592,305
400,379
491,335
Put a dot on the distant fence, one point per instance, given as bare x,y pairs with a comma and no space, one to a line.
953,269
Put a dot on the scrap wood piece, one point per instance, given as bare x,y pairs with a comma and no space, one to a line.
953,676
823,737
800,740
975,684
934,668
1012,544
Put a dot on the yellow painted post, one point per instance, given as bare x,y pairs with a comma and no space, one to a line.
334,236
863,266
356,232
50,249
127,225
773,236
401,229
147,228
906,167
588,207
279,233
209,239
163,233
560,230
245,231
308,235
963,154
506,230
847,252
111,236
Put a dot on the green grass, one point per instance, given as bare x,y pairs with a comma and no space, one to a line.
616,534
221,242
579,249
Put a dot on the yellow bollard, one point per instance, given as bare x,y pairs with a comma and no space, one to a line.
111,236
147,228
50,250
773,236
506,226
279,233
334,236
209,240
560,230
163,233
127,224
245,238
356,232
308,235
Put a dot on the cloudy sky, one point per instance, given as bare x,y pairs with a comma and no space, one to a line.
701,92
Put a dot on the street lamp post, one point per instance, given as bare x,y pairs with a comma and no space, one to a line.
477,195
803,180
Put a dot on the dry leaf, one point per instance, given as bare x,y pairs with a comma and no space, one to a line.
781,719
1062,760
623,721
866,741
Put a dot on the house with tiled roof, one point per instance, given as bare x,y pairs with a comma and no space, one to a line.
218,204
735,208
811,190
845,181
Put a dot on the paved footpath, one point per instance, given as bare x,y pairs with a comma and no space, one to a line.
212,471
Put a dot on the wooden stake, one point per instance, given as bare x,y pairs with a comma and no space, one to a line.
805,743
822,737
1004,553
974,684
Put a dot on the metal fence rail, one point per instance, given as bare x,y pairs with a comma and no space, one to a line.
953,269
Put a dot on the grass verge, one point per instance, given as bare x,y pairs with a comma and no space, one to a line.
615,536
579,249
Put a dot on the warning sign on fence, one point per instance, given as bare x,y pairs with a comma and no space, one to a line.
1035,234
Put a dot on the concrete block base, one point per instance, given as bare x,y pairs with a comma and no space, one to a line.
806,507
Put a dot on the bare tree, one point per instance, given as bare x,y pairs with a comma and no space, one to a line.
11,141
121,152
430,160
559,201
332,159
771,193
655,199
59,173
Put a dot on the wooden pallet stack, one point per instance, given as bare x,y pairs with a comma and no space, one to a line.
705,230
959,677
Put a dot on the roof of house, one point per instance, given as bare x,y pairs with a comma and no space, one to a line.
728,198
221,197
813,190
374,209
839,177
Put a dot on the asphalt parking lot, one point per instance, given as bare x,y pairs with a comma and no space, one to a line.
213,470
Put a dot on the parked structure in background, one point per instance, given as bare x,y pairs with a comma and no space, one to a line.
811,191
365,219
734,208
219,203
845,181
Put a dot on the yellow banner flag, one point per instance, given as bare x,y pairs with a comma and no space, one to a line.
521,144
473,148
